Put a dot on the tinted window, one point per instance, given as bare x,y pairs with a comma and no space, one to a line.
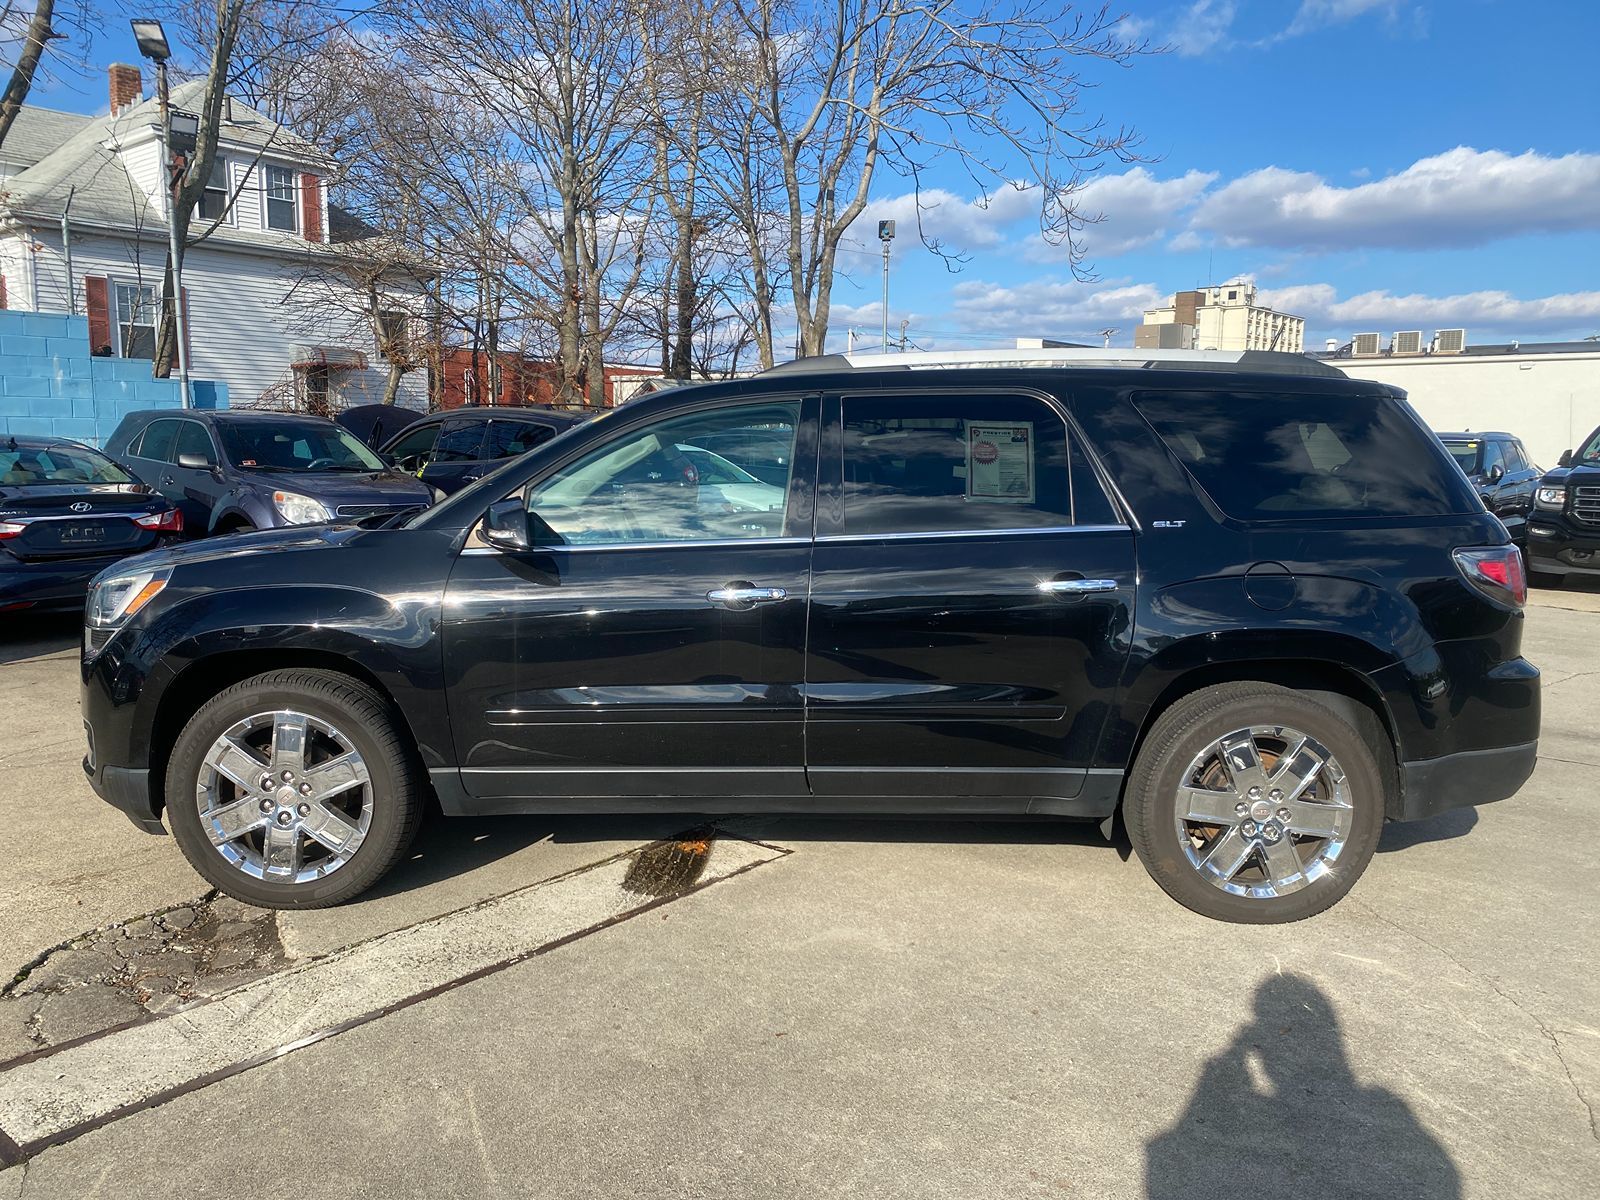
1591,449
645,487
193,439
413,448
1272,457
510,438
57,464
295,446
157,442
1515,460
934,464
459,441
1492,457
1467,455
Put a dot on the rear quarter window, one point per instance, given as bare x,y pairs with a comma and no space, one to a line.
1286,456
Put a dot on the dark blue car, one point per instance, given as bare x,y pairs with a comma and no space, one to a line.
67,512
238,470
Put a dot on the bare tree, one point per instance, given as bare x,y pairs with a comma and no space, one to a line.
35,35
830,94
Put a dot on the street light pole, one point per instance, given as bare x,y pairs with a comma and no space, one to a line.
179,318
885,235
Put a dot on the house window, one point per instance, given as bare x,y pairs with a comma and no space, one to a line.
280,199
136,319
214,200
392,340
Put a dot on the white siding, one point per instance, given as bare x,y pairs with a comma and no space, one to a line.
17,269
246,313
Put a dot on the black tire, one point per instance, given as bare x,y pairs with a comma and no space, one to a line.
1354,737
361,715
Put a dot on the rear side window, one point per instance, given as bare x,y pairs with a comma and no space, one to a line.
459,441
507,439
1285,455
940,464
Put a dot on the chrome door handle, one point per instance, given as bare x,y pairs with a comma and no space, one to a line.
168,481
742,595
1076,587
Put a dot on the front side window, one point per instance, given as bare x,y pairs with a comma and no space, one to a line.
646,485
1281,456
943,464
281,199
193,439
1515,459
459,441
214,200
415,448
136,319
1492,457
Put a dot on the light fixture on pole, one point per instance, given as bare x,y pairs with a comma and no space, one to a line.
152,41
885,235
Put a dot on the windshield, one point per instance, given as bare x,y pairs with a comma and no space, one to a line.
1467,454
714,468
295,446
58,464
1591,449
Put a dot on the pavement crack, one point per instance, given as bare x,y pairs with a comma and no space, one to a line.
1569,678
1538,1021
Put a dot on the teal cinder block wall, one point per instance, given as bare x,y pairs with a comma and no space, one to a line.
51,386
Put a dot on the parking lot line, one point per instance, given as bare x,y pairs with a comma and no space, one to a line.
55,1095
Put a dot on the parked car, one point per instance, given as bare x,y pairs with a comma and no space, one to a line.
1564,532
66,513
452,449
375,424
1499,467
1246,602
238,470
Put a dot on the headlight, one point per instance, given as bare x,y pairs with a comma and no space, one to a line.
1550,497
114,599
300,510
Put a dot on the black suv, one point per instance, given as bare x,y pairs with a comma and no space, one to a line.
1243,600
452,449
237,470
1499,467
1564,532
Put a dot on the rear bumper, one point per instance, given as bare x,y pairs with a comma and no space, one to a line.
1460,780
47,584
125,788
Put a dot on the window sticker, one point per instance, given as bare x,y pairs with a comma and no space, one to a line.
1000,462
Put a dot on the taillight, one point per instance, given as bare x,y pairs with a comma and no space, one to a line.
10,529
170,521
1496,571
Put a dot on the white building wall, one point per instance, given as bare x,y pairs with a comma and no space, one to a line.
1550,401
243,320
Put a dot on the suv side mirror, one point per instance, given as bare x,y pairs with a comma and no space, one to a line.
196,462
1566,459
505,525
1496,473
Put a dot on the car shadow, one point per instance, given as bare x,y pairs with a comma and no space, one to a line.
1279,1112
24,636
1402,835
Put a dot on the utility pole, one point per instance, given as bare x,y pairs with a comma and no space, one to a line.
886,235
850,341
904,325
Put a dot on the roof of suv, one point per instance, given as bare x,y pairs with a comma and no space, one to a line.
1247,361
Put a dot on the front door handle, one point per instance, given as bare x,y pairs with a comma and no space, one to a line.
1076,587
168,481
743,595
471,478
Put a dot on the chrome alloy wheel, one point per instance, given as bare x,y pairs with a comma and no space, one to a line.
1263,811
284,797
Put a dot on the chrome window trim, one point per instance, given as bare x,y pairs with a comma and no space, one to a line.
970,533
710,543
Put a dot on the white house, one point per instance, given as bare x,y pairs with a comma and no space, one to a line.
83,230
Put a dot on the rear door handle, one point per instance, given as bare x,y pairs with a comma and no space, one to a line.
1076,587
745,595
471,478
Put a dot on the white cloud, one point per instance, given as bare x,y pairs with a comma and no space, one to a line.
1053,308
954,222
1202,27
1136,207
1313,15
1463,197
1493,311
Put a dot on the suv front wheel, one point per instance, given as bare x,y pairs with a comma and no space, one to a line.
293,789
1253,803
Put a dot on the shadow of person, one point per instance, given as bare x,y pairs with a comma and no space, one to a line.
1279,1113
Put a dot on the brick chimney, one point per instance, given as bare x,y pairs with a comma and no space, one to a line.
127,89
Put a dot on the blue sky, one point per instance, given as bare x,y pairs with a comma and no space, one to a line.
1371,164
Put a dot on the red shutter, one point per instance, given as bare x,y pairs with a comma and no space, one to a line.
311,207
99,309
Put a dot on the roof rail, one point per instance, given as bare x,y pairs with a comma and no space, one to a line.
1276,362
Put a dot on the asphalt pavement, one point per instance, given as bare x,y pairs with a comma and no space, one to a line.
887,1008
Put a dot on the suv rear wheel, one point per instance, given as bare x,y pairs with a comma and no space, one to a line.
293,789
1253,803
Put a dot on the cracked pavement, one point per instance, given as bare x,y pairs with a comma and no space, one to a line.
908,1009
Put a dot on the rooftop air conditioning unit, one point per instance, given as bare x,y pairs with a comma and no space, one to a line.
1366,345
1449,341
1407,342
